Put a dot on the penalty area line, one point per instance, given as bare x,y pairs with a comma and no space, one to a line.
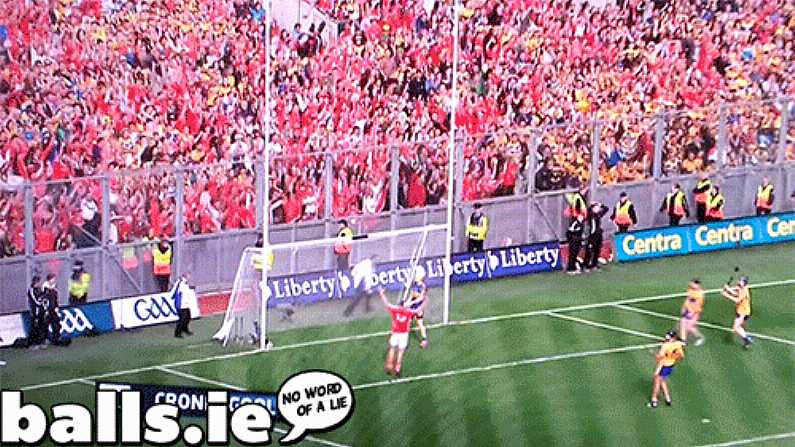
498,366
702,324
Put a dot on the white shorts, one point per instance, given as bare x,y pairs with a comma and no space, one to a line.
399,341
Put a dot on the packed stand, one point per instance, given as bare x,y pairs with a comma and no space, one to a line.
91,87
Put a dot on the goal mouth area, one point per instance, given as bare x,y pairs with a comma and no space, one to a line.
333,280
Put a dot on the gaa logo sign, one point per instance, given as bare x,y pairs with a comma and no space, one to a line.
74,321
155,309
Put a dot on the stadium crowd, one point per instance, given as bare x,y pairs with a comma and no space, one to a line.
91,86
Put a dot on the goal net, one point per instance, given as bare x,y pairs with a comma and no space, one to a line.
334,281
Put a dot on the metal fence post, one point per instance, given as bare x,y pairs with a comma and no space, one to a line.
532,165
105,253
458,193
596,155
394,178
179,224
328,178
783,132
30,237
721,136
659,143
261,181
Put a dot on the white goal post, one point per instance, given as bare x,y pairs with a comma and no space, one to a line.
308,283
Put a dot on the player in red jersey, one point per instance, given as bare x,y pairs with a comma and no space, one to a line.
401,325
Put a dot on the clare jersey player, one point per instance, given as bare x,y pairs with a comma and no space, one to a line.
691,312
741,297
418,295
671,351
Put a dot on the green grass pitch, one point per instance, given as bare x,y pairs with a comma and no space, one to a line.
577,376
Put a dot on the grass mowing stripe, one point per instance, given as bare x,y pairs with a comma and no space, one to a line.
603,326
702,324
496,366
381,334
752,440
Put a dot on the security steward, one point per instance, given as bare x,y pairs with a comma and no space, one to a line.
624,213
675,205
79,283
37,313
594,247
161,265
574,237
50,301
342,250
715,205
764,198
477,229
700,196
578,205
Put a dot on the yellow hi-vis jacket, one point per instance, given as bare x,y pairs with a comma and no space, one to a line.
263,261
79,288
763,195
478,227
162,261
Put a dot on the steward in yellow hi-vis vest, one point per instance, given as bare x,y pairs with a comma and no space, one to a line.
675,205
79,283
343,246
624,213
262,261
578,205
764,198
700,196
161,265
477,229
715,205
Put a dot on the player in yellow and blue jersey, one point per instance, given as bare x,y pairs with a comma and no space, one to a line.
418,294
671,351
691,312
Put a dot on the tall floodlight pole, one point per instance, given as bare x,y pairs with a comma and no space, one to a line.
267,189
451,154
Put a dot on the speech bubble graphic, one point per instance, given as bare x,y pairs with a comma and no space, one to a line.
315,400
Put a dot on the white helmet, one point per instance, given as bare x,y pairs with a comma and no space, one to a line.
419,274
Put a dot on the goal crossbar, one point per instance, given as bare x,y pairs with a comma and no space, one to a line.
376,235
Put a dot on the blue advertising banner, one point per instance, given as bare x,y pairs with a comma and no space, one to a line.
466,267
77,321
192,402
723,235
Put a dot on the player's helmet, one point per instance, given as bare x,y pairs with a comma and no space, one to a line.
419,274
670,335
744,280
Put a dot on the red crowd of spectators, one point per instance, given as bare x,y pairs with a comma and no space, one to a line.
96,86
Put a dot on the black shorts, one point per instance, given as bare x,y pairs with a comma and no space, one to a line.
419,316
745,318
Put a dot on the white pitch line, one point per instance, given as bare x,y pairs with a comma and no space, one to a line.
703,324
495,366
87,382
605,326
752,440
232,387
201,379
381,334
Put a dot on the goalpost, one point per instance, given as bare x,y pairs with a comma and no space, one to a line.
304,284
